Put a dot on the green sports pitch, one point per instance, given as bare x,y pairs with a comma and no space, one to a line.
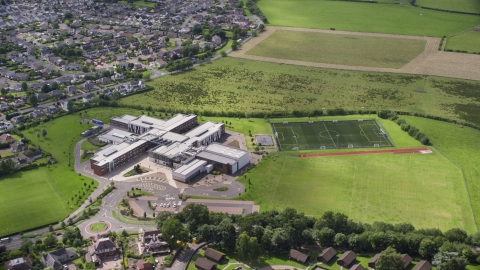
330,135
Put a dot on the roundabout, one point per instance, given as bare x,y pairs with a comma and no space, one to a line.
98,227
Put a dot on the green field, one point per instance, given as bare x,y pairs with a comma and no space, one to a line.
339,49
330,135
384,17
471,6
47,194
462,145
98,227
137,4
245,86
468,41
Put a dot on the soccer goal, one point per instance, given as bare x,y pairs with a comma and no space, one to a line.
360,120
285,123
376,145
335,121
310,122
323,147
350,146
295,148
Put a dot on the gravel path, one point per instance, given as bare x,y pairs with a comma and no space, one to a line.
429,62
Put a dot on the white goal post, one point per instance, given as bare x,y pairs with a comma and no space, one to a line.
360,120
310,122
334,121
350,146
276,135
323,147
285,123
376,145
295,148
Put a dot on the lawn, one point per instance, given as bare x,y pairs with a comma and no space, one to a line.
240,86
461,145
384,17
471,6
98,227
137,4
88,146
339,49
468,41
47,194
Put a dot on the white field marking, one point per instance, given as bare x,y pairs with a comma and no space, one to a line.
294,135
390,143
329,135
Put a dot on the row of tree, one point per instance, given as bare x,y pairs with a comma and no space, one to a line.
278,232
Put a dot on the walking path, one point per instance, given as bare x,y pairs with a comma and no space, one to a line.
429,62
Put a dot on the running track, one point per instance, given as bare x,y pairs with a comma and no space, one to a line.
394,151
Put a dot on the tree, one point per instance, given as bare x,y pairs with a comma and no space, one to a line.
453,264
247,247
50,241
427,248
261,27
33,100
24,86
50,228
45,88
26,245
124,233
340,240
173,230
197,29
44,133
389,259
70,106
195,216
77,243
144,214
38,134
226,235
54,86
456,235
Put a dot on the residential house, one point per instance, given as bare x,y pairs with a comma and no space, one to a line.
357,267
36,114
71,89
159,63
72,67
145,266
214,255
19,264
7,138
18,147
120,57
87,98
297,256
55,93
327,255
18,119
40,97
21,76
373,261
87,86
217,40
31,157
17,103
103,248
118,77
64,105
204,264
52,109
423,265
347,259
58,258
4,106
407,260
5,126
104,80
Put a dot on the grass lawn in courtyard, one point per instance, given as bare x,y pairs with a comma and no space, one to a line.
339,49
382,17
468,41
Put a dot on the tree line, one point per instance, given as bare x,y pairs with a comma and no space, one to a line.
279,231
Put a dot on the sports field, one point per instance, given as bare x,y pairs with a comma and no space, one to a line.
467,41
331,48
426,190
330,134
385,17
471,6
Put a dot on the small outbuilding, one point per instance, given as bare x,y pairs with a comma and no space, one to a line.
373,261
407,260
327,255
357,267
423,265
347,259
214,255
204,264
298,256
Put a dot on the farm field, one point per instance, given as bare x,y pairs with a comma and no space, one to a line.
240,86
44,195
384,17
471,6
462,145
468,41
340,49
367,188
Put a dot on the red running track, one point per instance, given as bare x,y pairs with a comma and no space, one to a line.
394,151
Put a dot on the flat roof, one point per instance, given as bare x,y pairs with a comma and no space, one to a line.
115,135
147,121
188,168
171,150
126,118
204,130
225,150
175,137
216,158
178,120
119,152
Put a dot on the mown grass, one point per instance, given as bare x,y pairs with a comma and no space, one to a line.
47,194
246,86
468,41
384,17
462,145
339,49
471,6
137,4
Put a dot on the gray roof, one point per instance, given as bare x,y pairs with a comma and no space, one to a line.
216,158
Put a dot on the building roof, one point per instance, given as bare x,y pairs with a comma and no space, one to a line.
407,260
347,258
19,264
205,264
104,243
327,254
205,130
117,136
357,267
216,158
298,256
192,166
226,151
373,260
171,150
111,153
124,118
145,266
214,255
423,265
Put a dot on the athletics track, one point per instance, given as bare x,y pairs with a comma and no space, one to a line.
394,151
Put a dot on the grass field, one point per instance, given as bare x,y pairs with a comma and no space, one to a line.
384,17
137,4
468,41
98,227
241,86
330,134
339,49
386,187
462,145
47,194
471,6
